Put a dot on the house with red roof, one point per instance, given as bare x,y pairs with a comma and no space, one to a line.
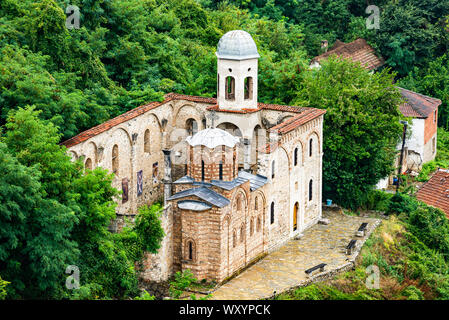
435,192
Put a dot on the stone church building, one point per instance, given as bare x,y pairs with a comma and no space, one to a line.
238,178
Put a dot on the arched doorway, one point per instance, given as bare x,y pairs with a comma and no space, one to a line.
295,216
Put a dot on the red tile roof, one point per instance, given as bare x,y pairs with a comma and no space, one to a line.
417,105
85,135
298,120
436,191
358,50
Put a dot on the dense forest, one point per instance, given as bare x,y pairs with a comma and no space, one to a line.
56,82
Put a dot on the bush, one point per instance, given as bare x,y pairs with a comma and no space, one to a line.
181,282
401,203
413,293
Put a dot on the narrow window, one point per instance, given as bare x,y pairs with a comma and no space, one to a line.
272,213
310,190
310,147
255,204
190,250
251,227
218,85
88,164
272,169
146,141
242,233
239,203
248,88
234,239
295,156
202,170
192,127
258,224
115,159
435,116
220,170
230,88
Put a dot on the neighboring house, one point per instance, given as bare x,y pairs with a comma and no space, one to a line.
435,192
247,175
358,50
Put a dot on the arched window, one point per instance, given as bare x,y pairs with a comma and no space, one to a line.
202,170
146,141
234,239
295,156
251,227
88,164
258,224
255,203
310,189
115,159
192,126
248,88
239,203
310,147
272,169
220,170
272,213
190,252
230,88
242,233
218,85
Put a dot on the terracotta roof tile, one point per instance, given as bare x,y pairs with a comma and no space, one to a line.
435,192
358,50
85,135
417,105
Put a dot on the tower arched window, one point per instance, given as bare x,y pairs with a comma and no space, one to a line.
220,170
203,172
248,88
272,213
310,189
146,141
115,159
230,88
295,156
272,169
310,147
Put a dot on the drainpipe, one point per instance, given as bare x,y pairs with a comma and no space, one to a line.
167,175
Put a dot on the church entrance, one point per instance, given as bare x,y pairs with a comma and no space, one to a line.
295,216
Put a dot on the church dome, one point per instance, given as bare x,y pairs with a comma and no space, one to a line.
237,45
211,138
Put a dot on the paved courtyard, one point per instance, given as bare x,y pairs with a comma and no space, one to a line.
285,268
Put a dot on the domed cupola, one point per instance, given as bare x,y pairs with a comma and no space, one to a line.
212,155
237,64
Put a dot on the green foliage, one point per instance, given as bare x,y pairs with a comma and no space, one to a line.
145,296
376,200
3,284
148,227
362,118
401,203
181,282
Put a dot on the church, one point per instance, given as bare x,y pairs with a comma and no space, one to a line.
238,178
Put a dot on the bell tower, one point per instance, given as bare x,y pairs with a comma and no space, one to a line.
237,67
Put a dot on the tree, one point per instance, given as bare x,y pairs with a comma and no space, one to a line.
361,126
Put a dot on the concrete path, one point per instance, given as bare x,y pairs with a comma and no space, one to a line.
284,268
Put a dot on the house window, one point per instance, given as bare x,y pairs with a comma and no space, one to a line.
295,157
230,88
115,159
248,88
310,189
220,170
146,141
272,213
435,116
202,170
272,169
310,147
